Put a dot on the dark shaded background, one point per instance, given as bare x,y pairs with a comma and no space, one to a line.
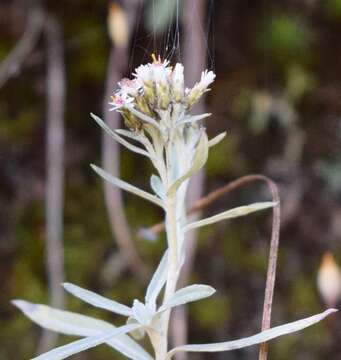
277,93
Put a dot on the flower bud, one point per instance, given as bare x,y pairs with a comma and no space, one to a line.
161,75
178,82
329,280
194,94
131,121
118,27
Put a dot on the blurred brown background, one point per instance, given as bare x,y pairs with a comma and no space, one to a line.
277,93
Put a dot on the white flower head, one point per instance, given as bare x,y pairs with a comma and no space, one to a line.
194,94
130,87
144,74
207,78
178,82
120,100
157,72
161,72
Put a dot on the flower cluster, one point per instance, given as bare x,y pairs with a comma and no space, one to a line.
155,89
156,107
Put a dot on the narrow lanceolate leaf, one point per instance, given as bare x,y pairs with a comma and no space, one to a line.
69,323
126,186
143,117
118,138
60,321
230,214
199,161
133,135
63,352
158,280
128,347
217,139
263,336
97,300
193,118
188,294
129,134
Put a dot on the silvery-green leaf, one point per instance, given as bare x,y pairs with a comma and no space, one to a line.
139,333
61,321
158,280
157,186
69,323
143,117
97,300
136,136
126,186
141,313
217,139
116,137
199,161
129,134
128,347
188,294
262,337
232,213
63,352
193,118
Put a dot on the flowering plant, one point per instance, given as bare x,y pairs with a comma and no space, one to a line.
156,107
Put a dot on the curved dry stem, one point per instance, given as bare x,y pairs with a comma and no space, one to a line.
12,64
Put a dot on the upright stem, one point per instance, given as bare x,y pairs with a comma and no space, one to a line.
174,241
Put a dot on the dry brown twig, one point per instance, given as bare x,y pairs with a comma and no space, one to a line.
12,64
54,203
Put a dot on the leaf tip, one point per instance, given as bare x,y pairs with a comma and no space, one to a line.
24,306
94,167
330,311
212,290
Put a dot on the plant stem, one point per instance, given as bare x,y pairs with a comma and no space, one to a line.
174,234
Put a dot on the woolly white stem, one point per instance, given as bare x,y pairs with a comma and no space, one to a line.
174,206
173,273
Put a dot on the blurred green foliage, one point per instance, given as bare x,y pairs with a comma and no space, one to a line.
332,9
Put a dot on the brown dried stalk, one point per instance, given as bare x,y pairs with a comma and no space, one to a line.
12,64
54,204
